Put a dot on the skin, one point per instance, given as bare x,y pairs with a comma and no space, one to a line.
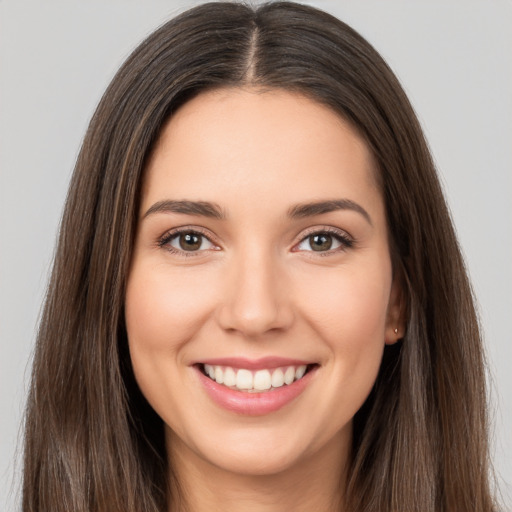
256,288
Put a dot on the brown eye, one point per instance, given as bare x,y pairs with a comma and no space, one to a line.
190,241
320,242
325,241
187,241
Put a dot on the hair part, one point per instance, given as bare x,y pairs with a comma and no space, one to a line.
93,443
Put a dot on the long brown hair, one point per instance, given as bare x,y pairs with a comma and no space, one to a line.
92,441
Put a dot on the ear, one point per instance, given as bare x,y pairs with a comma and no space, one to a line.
395,317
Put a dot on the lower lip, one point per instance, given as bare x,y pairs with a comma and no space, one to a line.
254,404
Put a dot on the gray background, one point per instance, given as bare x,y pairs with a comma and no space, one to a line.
56,58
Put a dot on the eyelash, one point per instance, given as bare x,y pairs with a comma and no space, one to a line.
346,241
165,240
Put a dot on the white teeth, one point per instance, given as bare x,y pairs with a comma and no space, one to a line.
229,377
210,370
277,378
219,375
244,379
289,375
300,371
261,380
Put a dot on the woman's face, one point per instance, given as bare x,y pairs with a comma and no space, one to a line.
260,295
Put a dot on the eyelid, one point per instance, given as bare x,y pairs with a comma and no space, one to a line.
163,241
347,241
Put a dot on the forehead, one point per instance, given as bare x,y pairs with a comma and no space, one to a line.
228,141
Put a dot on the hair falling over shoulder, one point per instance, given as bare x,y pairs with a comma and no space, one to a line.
93,444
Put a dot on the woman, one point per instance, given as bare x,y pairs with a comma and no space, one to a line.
258,301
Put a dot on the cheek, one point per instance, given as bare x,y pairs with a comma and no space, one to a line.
347,310
349,317
163,310
348,306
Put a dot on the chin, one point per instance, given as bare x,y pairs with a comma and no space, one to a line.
256,462
262,450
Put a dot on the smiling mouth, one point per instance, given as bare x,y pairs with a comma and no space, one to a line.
241,379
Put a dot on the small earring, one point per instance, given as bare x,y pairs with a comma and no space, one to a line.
396,330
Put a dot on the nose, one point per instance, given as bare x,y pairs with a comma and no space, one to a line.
256,298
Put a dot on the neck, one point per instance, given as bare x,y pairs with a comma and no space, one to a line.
314,484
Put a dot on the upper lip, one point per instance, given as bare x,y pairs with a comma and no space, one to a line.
262,363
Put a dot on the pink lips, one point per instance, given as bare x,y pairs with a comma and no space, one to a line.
253,404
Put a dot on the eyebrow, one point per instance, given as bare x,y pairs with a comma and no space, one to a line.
201,208
320,207
213,210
